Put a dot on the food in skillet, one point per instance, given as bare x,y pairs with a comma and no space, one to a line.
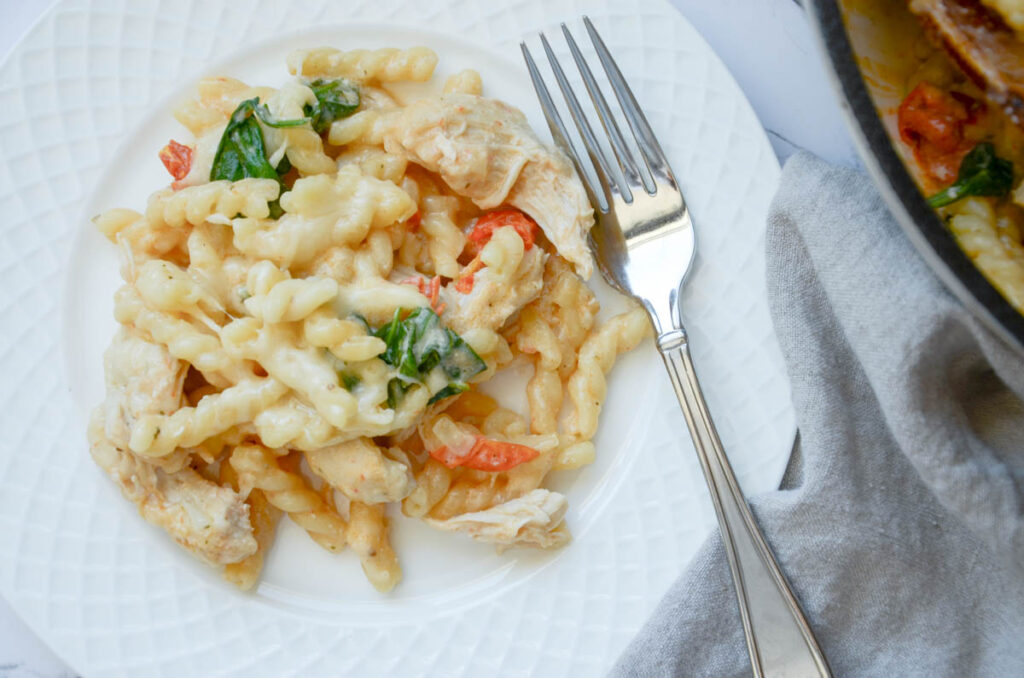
959,123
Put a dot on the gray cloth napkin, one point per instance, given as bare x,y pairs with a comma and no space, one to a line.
899,523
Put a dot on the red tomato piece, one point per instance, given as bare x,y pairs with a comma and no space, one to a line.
931,121
488,223
488,455
445,456
494,455
177,158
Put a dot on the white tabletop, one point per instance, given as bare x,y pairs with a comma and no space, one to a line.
767,46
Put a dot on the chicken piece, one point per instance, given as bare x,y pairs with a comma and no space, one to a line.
982,45
485,150
494,299
359,469
535,519
142,378
209,520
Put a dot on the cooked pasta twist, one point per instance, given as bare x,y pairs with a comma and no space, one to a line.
113,221
569,307
298,368
219,200
978,230
587,386
376,258
365,127
217,98
323,211
259,467
374,161
445,239
263,515
381,65
368,535
290,299
544,390
503,253
157,435
467,81
183,339
432,483
293,424
346,339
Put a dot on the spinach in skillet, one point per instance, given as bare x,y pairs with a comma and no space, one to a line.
418,344
981,172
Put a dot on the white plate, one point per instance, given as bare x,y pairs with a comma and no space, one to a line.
84,104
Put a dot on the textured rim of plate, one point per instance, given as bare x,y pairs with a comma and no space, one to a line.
31,269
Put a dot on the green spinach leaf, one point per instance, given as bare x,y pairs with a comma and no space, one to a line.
448,391
982,172
335,99
241,153
267,118
418,344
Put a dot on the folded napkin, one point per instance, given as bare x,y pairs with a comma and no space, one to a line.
900,523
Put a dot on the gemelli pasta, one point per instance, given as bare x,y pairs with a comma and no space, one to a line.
308,311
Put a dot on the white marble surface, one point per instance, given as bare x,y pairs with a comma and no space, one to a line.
767,46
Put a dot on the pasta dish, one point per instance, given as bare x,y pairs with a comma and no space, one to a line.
310,307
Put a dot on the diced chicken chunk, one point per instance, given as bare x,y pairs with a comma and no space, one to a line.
142,378
209,520
359,469
535,519
485,150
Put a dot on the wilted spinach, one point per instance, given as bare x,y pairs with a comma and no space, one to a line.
335,99
242,154
419,343
981,172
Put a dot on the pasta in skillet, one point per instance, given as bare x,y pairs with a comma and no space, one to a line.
309,308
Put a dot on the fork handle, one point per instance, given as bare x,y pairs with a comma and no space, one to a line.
779,638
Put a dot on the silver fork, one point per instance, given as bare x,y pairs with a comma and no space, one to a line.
644,244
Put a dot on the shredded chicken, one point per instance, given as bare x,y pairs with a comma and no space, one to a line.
485,150
207,519
535,519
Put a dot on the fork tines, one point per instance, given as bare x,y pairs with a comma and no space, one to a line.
632,177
